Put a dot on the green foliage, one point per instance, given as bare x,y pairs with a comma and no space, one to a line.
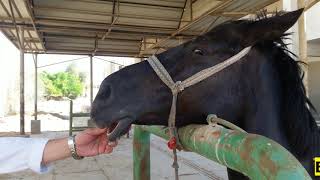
63,84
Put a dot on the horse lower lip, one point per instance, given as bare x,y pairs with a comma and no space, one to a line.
112,128
120,129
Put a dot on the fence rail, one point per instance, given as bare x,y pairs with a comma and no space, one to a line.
72,117
253,155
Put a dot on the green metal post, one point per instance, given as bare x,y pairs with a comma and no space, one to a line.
253,155
141,154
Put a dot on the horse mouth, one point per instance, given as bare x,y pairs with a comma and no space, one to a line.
119,128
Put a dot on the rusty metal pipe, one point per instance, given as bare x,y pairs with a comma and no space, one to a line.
253,155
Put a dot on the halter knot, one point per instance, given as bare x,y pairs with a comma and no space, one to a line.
177,87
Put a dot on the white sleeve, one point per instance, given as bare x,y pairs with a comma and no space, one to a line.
18,154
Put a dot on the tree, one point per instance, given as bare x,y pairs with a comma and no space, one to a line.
63,84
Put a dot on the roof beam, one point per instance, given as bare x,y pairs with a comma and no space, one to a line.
26,39
21,46
20,16
113,10
5,9
102,26
12,17
221,5
6,34
114,20
61,46
9,18
85,33
143,44
94,31
200,15
186,15
112,15
28,7
95,46
88,38
187,3
35,45
85,25
88,52
142,4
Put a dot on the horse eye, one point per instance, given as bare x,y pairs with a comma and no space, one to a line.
198,52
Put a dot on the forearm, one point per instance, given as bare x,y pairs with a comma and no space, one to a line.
56,149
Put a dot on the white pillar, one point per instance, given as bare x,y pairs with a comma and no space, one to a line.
303,44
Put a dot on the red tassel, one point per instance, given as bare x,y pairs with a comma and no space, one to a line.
172,143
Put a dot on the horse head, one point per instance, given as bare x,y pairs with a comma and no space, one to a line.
136,95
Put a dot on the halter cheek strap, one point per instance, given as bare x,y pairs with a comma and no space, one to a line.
179,86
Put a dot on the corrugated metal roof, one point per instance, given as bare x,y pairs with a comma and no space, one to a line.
115,27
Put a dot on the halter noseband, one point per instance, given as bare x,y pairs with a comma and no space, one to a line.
179,86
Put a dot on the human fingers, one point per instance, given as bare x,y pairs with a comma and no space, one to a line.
113,143
95,131
108,150
102,143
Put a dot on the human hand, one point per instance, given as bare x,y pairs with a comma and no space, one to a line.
92,142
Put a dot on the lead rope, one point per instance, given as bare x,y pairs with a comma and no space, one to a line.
175,88
179,86
174,139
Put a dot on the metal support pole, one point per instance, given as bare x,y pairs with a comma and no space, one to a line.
303,44
36,87
91,81
21,32
141,154
70,117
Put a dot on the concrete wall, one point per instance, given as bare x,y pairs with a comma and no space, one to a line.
9,68
312,22
9,79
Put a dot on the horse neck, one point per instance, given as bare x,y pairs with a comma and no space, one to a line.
294,126
302,132
263,115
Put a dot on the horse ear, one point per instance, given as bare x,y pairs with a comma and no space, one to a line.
270,28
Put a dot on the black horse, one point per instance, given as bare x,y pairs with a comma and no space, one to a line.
263,93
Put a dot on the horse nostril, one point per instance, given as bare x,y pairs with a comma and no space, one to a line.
106,93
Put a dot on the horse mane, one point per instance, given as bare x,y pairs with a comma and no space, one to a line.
296,109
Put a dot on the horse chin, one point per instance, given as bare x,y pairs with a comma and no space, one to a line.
119,128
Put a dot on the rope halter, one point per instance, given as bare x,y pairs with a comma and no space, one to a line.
179,86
